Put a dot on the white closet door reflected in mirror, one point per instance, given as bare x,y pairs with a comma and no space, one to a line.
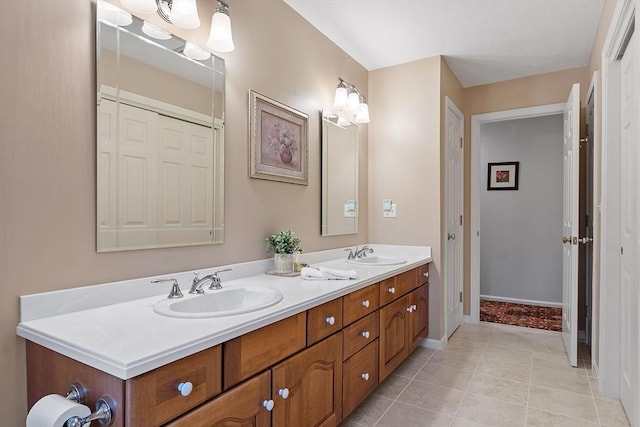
339,176
160,140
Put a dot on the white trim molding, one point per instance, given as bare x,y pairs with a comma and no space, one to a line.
434,344
522,301
477,120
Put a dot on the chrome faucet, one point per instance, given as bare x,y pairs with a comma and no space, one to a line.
198,283
362,252
175,288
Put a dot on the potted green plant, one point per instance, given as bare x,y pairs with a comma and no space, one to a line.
283,246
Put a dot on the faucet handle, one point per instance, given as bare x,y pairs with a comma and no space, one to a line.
175,289
351,254
216,281
215,273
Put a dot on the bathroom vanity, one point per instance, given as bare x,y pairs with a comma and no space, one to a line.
307,363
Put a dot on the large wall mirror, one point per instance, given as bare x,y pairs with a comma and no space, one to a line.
339,176
160,137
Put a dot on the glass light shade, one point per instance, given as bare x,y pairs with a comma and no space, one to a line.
343,122
194,52
353,100
140,6
340,99
363,114
220,37
155,32
109,13
184,14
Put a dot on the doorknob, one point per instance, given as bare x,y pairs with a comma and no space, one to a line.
585,240
451,236
566,239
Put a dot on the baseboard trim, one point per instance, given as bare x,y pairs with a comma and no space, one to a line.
521,301
434,344
469,319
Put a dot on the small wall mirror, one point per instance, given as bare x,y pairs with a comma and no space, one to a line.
160,137
339,176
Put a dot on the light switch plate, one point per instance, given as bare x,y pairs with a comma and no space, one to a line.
386,205
349,212
392,213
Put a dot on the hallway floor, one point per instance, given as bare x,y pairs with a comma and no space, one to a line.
491,375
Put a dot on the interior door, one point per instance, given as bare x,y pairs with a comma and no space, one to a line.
454,120
571,149
629,288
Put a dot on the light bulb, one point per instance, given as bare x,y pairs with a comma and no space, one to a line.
353,100
184,14
194,52
340,99
220,37
155,32
363,114
140,6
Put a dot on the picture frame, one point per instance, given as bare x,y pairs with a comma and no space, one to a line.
503,176
279,139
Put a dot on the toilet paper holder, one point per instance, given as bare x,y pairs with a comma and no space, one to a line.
103,412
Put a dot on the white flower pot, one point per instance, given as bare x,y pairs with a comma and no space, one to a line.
284,263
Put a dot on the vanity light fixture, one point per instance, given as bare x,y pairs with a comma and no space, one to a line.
349,101
184,14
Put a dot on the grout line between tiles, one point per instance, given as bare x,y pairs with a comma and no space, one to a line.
526,413
466,390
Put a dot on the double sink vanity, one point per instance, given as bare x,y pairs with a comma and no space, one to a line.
305,353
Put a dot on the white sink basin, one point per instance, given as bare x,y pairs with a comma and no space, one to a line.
377,260
224,302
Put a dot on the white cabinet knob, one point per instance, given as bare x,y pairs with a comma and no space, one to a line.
185,389
409,309
365,334
283,393
414,307
365,303
365,376
425,274
331,320
391,290
268,404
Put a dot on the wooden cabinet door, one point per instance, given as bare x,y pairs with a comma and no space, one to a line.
419,317
243,406
394,335
312,383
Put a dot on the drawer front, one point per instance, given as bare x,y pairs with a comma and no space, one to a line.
360,377
256,351
423,274
388,291
360,303
361,333
407,281
153,398
324,320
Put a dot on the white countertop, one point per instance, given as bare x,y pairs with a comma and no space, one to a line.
124,337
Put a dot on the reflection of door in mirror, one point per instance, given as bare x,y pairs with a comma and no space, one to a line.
339,177
160,137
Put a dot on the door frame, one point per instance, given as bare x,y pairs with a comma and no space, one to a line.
451,106
608,368
477,120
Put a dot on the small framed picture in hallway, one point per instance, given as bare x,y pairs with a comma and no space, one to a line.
503,176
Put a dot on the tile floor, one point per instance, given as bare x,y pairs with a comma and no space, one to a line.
491,375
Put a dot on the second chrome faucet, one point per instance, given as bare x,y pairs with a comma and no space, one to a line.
198,282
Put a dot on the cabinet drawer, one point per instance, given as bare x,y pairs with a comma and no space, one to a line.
388,291
360,377
358,335
407,281
324,320
153,398
242,404
423,274
256,351
358,304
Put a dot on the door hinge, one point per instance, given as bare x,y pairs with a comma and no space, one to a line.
461,139
460,296
621,250
460,219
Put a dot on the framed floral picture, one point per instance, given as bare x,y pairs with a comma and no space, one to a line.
503,176
279,141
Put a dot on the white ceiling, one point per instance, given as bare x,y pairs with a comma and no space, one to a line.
483,41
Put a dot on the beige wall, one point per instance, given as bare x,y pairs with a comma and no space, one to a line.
530,91
404,163
47,155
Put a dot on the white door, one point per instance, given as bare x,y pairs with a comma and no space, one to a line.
454,192
570,224
629,287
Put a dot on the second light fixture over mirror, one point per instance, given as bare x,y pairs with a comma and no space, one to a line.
184,14
349,104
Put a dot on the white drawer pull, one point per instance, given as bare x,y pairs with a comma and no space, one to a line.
365,376
365,334
283,393
425,274
268,404
331,320
391,290
365,303
185,389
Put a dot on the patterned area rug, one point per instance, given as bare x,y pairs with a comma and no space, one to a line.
530,316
